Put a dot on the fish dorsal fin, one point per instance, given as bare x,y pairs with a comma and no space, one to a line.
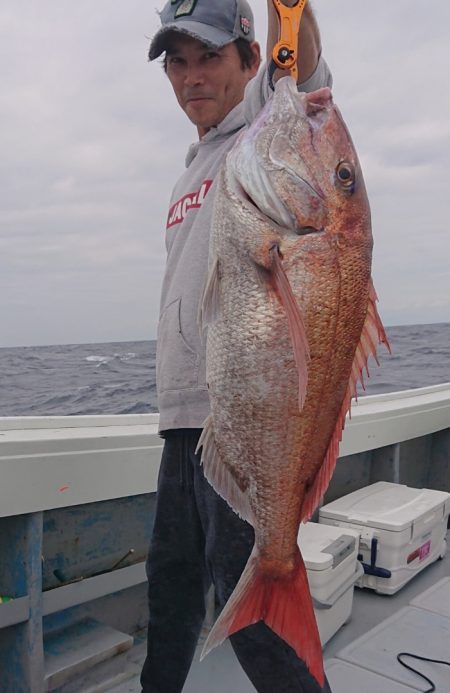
219,475
209,310
295,322
372,334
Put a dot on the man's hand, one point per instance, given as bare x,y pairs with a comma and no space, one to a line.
308,40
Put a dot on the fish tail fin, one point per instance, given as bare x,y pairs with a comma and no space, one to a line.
283,603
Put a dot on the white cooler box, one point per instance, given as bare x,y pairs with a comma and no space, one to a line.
401,529
330,555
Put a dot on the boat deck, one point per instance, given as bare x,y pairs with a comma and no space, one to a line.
220,672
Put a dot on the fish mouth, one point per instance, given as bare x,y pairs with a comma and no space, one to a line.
268,183
307,230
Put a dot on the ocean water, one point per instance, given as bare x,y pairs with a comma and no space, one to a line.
119,378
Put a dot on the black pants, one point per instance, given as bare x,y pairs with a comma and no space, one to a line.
197,539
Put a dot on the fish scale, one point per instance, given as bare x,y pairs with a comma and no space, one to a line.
291,317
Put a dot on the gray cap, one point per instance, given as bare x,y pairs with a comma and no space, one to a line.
214,22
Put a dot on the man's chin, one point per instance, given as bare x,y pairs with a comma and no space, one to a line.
201,120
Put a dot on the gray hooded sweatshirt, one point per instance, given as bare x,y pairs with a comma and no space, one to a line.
181,349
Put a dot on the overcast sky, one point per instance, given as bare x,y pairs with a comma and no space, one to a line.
92,141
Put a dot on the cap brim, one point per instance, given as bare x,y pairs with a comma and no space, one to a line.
202,32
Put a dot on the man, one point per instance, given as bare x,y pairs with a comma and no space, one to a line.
211,59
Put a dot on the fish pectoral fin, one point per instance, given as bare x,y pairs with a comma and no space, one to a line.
372,334
219,475
284,604
295,321
209,310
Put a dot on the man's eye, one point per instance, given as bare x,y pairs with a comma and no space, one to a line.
210,55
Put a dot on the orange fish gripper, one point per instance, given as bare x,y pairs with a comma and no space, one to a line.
284,53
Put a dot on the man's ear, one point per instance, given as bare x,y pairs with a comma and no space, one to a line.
256,51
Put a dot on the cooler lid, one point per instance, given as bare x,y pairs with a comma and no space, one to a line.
384,505
324,546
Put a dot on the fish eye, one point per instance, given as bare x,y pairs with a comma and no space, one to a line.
345,174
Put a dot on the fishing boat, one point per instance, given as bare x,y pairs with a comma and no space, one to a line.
77,498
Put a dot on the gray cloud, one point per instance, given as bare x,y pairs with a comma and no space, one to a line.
92,140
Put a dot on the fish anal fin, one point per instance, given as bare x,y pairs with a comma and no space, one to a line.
296,324
284,604
373,333
209,310
219,475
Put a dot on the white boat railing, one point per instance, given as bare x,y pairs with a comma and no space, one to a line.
60,461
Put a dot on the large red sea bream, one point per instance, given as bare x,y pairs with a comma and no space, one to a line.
291,316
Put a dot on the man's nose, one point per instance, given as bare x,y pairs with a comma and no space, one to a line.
193,76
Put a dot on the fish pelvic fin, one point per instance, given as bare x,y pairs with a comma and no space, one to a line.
295,321
373,333
219,475
209,309
283,603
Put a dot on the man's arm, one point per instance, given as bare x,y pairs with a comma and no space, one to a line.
309,46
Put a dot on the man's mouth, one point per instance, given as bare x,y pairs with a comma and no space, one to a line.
190,99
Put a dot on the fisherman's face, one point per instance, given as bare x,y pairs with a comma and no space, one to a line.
207,82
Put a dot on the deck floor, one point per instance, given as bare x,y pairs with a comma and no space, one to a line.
221,673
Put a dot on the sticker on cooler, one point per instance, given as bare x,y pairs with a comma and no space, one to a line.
421,553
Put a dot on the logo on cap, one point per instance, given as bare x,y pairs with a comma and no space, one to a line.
245,25
185,9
